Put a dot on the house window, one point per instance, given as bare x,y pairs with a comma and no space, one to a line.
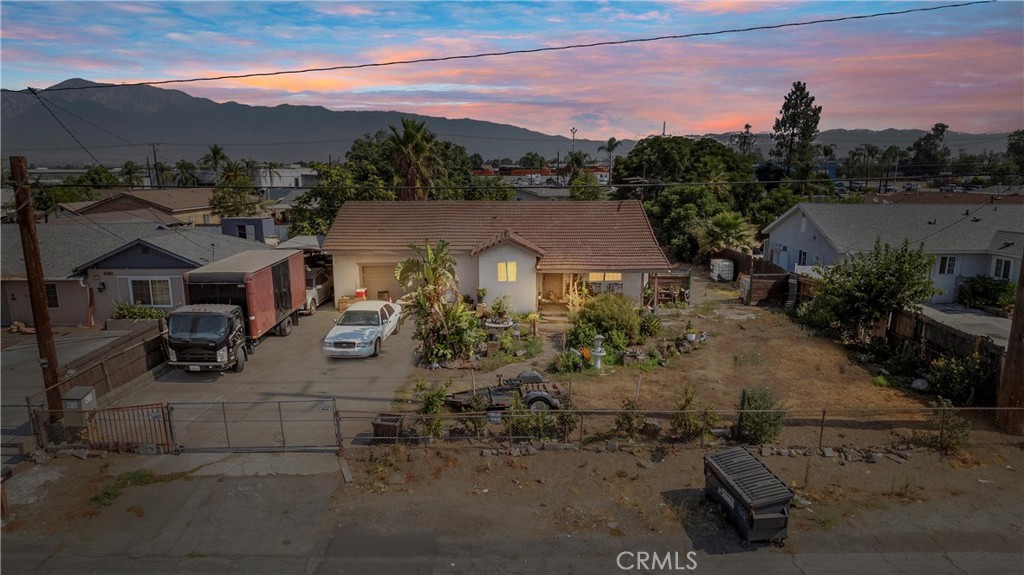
604,277
206,218
506,271
152,292
946,265
51,296
1002,269
801,259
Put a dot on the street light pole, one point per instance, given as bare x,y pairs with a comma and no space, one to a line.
573,130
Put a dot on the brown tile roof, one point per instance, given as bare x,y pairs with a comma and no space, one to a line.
176,199
117,216
602,235
510,237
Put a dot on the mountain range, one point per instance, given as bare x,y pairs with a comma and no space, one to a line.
121,123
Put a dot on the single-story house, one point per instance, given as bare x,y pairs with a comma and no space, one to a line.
89,269
528,251
189,205
967,240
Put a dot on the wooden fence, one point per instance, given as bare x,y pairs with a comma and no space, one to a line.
747,263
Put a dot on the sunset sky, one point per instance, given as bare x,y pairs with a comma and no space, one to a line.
961,66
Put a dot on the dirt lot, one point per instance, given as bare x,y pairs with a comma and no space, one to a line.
746,347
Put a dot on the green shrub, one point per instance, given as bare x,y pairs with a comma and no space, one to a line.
524,423
125,310
982,291
567,362
534,345
685,422
880,381
908,360
432,397
761,418
615,343
629,422
650,325
612,312
567,419
581,335
953,431
965,381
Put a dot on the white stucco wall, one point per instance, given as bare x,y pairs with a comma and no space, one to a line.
523,292
117,287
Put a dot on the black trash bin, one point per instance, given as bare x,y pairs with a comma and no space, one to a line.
756,500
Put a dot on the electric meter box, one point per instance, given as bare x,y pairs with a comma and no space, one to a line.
76,402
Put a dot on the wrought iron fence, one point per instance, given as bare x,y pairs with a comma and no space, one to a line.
255,425
135,428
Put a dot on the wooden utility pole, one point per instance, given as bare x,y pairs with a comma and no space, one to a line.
36,287
1011,388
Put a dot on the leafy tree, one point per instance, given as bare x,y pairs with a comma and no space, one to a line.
131,174
584,187
81,188
214,159
453,171
1015,149
233,197
476,161
929,154
745,142
444,325
795,130
315,210
856,294
678,214
413,158
484,188
775,203
575,162
532,160
609,147
185,174
727,230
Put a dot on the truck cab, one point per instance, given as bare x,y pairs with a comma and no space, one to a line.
209,337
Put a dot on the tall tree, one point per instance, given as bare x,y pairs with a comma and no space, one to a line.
929,154
727,230
531,160
234,197
315,210
234,171
1015,150
745,142
413,159
871,153
476,161
795,130
185,174
609,147
575,162
214,159
585,187
131,174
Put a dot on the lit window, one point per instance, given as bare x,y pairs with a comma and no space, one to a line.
155,292
51,296
946,265
506,271
604,277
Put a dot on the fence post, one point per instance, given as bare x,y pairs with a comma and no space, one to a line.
170,428
703,427
280,421
581,430
224,414
337,424
821,432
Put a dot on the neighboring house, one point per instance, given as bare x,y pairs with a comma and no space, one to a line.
281,209
254,228
140,216
286,177
526,250
967,240
88,269
189,205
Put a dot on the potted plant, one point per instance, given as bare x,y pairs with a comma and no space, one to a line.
481,293
500,307
691,334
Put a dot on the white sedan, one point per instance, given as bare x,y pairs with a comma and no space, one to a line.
361,329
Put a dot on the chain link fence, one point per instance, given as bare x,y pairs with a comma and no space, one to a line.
254,425
943,428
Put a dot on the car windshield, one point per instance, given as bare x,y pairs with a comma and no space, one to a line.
203,327
363,318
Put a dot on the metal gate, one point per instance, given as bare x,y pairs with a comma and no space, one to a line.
305,425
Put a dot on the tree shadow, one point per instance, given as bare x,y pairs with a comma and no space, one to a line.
706,523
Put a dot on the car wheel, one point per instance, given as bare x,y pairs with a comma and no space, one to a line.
398,328
376,348
539,404
239,360
312,307
285,329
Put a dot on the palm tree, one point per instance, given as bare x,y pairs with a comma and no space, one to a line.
163,172
413,158
186,171
575,161
610,146
131,174
214,159
727,230
271,168
871,152
891,156
233,171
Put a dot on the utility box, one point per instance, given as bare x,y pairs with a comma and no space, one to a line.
755,499
76,402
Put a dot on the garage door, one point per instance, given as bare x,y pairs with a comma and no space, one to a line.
381,278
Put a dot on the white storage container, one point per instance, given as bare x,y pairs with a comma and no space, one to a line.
722,270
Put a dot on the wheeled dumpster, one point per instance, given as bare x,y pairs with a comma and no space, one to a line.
756,500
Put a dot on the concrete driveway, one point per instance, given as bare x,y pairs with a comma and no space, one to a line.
972,321
293,368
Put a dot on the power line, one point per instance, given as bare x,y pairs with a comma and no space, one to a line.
69,112
529,50
73,137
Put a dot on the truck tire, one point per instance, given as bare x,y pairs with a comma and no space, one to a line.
376,348
312,307
539,404
285,329
240,359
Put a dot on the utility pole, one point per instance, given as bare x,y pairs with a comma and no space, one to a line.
155,182
573,130
1011,388
36,287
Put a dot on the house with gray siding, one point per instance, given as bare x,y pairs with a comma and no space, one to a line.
529,251
967,240
89,269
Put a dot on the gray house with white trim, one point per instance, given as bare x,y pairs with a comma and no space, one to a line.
967,240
